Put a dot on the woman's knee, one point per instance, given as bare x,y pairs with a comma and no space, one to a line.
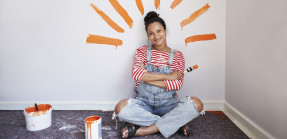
197,103
121,105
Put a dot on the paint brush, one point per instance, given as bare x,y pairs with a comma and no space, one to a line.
191,68
36,107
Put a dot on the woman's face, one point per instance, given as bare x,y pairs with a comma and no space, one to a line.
156,34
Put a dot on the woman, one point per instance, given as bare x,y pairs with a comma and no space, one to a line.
158,71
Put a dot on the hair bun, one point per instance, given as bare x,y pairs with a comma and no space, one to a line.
150,16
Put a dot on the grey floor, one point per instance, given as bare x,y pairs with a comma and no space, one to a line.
70,125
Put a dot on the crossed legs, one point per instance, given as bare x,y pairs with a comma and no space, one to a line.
148,130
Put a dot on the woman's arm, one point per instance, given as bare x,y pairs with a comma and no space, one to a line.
178,65
157,83
149,76
172,81
169,81
138,71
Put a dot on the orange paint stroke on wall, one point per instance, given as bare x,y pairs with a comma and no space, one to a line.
156,3
108,20
122,12
140,6
203,37
103,40
175,3
195,15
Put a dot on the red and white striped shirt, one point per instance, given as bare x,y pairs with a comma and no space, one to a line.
158,59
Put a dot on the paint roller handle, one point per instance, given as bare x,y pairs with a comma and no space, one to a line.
189,69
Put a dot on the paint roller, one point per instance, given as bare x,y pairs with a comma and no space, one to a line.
189,69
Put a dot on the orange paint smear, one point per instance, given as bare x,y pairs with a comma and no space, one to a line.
108,20
103,40
42,109
175,3
195,15
140,6
204,37
122,12
195,67
156,3
89,121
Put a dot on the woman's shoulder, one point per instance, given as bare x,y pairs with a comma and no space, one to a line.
142,48
178,53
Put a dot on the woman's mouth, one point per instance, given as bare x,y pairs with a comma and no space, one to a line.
157,40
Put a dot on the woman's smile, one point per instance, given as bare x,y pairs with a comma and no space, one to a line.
157,40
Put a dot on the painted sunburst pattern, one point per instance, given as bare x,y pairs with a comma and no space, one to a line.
100,39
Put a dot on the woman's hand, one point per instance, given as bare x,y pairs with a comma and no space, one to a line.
175,75
142,65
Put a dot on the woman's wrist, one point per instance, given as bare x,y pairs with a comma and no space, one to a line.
149,76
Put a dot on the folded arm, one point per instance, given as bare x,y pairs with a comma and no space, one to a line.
158,79
172,81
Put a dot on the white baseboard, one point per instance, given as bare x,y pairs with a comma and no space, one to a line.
105,106
251,129
213,105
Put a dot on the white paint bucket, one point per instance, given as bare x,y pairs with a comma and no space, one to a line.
38,120
93,127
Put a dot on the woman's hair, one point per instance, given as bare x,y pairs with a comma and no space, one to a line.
151,17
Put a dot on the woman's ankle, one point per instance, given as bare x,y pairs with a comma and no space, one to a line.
147,130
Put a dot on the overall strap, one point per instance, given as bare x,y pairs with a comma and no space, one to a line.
148,54
171,55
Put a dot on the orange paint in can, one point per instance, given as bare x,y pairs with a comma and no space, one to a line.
42,109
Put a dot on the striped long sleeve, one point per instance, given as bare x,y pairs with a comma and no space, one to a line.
158,59
140,57
179,65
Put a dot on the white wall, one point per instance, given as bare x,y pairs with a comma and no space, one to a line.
256,55
44,56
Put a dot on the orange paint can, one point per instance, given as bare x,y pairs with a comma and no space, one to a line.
93,127
38,118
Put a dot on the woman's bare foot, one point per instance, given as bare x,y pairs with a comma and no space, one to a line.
125,133
185,130
134,130
129,131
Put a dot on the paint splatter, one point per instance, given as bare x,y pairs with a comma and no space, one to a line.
67,127
156,3
195,15
122,12
103,40
108,20
175,3
203,37
106,128
140,6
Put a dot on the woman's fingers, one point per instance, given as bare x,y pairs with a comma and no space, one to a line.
175,75
142,65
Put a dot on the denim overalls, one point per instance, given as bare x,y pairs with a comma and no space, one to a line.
157,100
155,105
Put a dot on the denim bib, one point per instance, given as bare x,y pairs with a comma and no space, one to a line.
153,95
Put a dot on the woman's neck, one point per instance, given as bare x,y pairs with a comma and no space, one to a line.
163,48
